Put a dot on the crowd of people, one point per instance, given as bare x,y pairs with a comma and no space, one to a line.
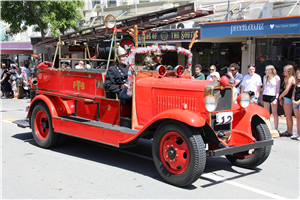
273,91
14,81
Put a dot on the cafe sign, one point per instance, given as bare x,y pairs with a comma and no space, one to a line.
171,35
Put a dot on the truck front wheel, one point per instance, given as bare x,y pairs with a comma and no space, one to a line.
179,153
252,158
42,129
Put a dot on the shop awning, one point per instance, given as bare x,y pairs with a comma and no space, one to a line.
265,27
16,48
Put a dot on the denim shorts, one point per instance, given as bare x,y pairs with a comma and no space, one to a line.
287,100
296,107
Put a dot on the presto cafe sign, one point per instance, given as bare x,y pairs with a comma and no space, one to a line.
247,28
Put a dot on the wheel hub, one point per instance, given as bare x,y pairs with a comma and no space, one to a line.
171,153
44,123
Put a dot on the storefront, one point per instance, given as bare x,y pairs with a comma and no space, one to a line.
274,41
16,52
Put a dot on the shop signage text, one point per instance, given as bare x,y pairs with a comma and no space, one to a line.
171,35
252,28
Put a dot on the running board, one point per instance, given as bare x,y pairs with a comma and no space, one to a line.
89,122
23,123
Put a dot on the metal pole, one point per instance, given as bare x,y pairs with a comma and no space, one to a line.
228,10
111,45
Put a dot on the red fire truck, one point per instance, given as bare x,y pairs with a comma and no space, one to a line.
187,120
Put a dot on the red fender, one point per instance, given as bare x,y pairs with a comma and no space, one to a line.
55,105
243,124
185,116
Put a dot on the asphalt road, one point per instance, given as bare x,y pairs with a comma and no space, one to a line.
83,170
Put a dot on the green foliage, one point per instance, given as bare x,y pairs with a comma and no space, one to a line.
57,16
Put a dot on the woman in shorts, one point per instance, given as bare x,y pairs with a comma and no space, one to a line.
296,104
270,91
285,98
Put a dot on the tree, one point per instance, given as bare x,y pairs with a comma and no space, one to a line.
57,16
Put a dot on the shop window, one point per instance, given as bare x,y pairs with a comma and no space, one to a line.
278,52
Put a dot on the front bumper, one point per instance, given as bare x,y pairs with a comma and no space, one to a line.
237,149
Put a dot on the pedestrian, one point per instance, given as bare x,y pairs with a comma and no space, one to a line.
235,78
285,97
270,91
296,104
198,73
5,85
212,69
19,80
14,87
251,84
1,73
25,83
27,70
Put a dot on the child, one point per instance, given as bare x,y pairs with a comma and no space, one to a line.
296,104
14,87
215,76
198,74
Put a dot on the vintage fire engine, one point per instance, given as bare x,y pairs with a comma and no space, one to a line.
187,120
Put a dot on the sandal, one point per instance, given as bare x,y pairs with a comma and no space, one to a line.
285,134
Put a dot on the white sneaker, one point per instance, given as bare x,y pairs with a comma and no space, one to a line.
295,136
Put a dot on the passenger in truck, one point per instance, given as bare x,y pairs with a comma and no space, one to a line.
116,77
157,58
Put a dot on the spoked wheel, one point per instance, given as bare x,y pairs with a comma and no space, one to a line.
253,157
41,124
179,153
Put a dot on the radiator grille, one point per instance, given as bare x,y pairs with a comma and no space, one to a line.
224,99
167,102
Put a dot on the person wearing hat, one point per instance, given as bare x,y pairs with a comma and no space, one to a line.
116,76
157,58
215,76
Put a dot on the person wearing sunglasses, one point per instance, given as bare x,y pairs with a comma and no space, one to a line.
212,69
235,78
252,83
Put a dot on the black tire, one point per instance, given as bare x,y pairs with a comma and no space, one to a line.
42,129
248,160
184,146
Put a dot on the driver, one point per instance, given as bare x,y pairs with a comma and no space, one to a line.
116,76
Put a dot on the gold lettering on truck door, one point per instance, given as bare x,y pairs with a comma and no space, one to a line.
79,85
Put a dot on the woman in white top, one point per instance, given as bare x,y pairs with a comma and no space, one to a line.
270,90
252,83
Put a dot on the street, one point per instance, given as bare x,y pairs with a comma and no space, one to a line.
82,169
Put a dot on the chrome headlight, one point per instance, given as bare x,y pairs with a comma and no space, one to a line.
244,100
210,103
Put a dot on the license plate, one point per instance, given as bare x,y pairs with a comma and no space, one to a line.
224,118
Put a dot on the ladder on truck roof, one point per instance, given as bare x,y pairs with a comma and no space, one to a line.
145,22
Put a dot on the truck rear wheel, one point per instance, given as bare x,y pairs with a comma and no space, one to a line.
252,158
42,129
179,153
